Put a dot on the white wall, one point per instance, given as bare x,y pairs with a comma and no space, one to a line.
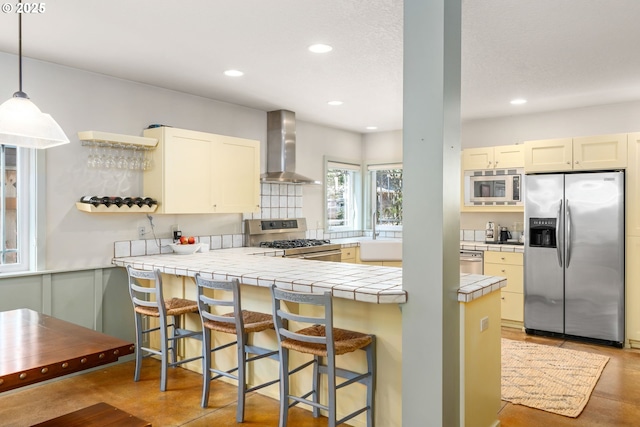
604,119
382,147
598,120
313,143
80,100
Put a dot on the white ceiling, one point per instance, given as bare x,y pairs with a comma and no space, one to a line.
557,54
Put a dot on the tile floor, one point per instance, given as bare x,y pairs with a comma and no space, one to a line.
615,401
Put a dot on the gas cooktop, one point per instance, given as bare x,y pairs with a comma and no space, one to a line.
294,243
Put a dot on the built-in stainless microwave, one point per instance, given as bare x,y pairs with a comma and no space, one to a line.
496,187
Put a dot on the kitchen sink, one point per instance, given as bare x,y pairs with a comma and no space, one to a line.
381,250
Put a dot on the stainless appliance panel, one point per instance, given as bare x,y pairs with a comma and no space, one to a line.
471,262
496,187
334,256
543,270
594,253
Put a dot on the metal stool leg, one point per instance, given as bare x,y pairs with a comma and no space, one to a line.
371,383
242,380
331,385
316,384
139,345
284,386
206,365
164,348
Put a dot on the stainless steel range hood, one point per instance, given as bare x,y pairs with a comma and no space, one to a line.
281,149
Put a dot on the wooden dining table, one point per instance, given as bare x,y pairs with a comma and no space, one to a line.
35,347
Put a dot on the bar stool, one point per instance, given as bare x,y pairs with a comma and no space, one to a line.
321,340
146,305
230,323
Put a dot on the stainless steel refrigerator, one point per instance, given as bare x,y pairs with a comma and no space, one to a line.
574,255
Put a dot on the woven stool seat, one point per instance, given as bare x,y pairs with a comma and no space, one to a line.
345,341
174,307
253,322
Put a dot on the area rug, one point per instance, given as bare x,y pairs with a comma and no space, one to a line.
549,378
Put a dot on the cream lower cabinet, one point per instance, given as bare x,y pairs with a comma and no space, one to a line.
349,254
382,263
632,290
599,152
509,265
197,172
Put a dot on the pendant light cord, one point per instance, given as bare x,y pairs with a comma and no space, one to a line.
20,50
20,93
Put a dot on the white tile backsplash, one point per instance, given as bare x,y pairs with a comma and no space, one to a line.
138,247
279,201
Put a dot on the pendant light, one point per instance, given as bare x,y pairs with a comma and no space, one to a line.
22,124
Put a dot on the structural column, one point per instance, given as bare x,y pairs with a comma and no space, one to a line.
431,219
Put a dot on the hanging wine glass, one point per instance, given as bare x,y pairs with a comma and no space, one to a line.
134,164
98,160
148,161
93,151
121,162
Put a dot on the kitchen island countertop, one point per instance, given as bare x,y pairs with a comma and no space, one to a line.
264,267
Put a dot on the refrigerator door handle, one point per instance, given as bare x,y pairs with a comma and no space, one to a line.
568,225
558,248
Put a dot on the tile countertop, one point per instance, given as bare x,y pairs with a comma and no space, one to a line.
365,283
464,244
496,247
372,284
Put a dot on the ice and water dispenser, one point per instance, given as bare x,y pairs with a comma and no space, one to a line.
542,232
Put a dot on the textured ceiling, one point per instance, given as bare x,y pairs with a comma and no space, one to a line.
557,54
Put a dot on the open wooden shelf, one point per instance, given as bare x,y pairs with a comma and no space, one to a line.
86,207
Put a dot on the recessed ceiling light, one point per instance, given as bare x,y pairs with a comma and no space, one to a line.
320,48
372,127
334,102
233,73
518,101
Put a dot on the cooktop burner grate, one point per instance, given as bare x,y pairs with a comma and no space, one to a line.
294,243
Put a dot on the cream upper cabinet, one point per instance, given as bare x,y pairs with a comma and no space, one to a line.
504,156
632,185
477,158
236,175
509,156
600,152
197,172
586,153
548,155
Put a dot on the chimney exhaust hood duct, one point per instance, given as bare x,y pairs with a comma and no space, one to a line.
281,149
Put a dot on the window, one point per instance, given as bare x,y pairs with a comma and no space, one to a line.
14,209
342,189
386,194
